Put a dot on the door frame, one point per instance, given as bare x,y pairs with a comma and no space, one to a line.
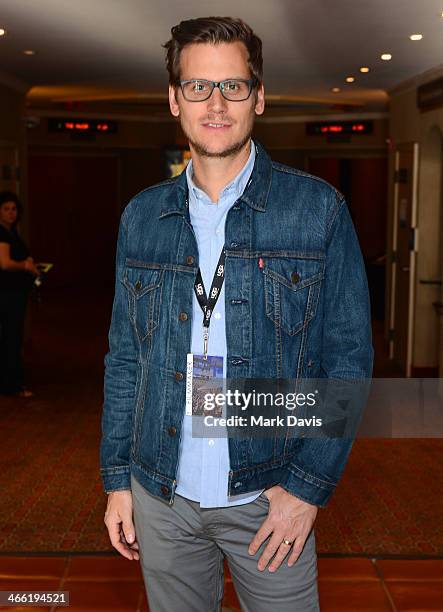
412,254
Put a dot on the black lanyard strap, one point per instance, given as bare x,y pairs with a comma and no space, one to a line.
207,304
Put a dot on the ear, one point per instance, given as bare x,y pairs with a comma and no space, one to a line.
260,100
173,104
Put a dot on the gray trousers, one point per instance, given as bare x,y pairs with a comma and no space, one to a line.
182,548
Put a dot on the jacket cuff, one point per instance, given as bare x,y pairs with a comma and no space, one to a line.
116,478
307,487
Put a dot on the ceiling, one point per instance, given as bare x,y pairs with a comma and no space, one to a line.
111,49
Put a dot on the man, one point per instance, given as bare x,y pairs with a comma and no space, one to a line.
276,246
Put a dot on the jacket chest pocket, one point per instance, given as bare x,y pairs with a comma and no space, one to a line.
144,287
292,288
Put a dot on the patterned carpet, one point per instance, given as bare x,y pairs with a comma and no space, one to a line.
388,502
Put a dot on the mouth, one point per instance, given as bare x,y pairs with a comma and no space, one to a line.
216,126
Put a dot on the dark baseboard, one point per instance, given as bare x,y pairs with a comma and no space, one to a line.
418,372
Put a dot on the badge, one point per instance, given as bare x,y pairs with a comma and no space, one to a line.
203,376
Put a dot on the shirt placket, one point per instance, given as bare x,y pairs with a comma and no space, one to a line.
212,457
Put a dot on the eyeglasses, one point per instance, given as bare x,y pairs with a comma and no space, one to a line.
234,90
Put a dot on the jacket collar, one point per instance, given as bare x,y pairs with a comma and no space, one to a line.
255,194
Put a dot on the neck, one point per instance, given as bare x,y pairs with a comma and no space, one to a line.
7,225
212,174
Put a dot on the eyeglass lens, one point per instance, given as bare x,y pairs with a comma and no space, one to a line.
200,90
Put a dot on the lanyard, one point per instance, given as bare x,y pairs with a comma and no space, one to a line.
207,304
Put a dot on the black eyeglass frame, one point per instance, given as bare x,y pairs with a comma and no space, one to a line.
251,83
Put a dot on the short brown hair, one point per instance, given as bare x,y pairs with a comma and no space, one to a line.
213,30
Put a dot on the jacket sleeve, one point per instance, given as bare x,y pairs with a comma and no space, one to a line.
347,354
119,382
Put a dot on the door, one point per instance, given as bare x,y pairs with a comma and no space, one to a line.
8,169
438,305
74,212
403,258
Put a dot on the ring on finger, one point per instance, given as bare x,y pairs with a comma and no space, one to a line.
287,542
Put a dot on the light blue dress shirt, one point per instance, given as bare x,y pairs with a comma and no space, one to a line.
203,469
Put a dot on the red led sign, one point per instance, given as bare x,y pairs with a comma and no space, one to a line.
92,126
339,127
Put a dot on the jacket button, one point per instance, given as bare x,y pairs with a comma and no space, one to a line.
295,277
178,376
189,260
138,285
183,316
237,361
172,431
164,489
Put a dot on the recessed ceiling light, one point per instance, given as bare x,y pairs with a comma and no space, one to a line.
335,89
416,36
2,32
364,69
386,56
28,52
350,79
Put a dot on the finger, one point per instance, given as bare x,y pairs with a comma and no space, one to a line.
269,551
264,532
128,529
131,549
296,550
114,536
280,555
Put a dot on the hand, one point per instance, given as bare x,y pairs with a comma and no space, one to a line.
289,518
118,520
31,267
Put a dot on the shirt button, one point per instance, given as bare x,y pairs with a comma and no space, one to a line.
217,315
183,316
295,277
218,232
189,260
138,285
172,431
178,376
211,442
164,489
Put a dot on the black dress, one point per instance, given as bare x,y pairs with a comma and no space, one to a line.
14,290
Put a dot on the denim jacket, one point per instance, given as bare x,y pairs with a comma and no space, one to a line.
304,314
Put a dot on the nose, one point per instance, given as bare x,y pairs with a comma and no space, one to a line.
216,102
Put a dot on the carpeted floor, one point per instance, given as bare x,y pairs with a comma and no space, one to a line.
52,501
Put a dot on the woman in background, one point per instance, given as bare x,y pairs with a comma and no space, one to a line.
17,271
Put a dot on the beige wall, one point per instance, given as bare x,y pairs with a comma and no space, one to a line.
408,124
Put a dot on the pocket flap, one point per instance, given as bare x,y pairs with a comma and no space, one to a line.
294,273
140,281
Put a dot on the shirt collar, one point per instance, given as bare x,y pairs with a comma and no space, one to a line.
236,187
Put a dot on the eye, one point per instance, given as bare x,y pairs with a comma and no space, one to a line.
199,86
231,86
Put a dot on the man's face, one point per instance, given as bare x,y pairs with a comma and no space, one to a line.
201,121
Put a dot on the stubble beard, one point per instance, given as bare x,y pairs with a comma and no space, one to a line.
202,150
